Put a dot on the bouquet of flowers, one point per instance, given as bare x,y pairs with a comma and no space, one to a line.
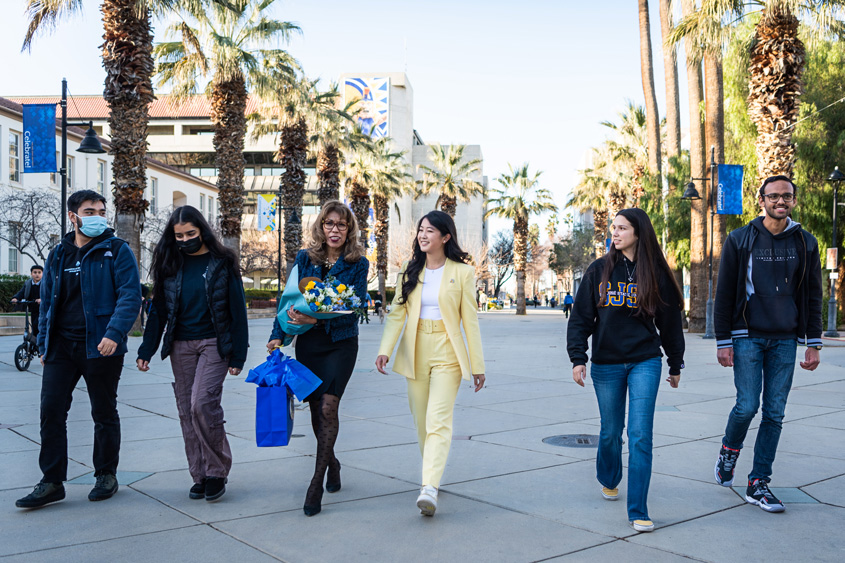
329,296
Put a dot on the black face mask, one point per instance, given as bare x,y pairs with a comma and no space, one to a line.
190,246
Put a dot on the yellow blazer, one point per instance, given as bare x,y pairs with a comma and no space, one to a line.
457,305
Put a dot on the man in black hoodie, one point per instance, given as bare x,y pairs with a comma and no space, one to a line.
769,298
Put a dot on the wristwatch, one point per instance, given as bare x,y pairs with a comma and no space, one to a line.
816,347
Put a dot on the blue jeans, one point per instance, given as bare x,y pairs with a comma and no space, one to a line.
612,382
760,365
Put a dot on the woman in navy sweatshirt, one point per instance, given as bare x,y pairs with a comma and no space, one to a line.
629,302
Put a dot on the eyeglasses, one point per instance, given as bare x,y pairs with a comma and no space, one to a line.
773,198
329,225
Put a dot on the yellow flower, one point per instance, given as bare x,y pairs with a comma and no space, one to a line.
310,285
341,287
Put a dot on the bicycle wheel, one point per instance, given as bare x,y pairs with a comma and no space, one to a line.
22,358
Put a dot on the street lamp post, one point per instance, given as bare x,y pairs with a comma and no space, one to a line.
835,178
90,144
292,219
691,194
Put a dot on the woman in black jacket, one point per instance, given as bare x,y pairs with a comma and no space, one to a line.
629,303
199,298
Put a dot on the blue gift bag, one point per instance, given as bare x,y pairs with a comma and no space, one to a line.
273,416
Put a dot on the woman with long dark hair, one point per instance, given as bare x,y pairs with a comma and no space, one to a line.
330,348
198,298
629,302
435,293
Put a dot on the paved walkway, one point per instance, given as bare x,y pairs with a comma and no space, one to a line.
507,496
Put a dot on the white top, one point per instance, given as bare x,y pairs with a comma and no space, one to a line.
430,307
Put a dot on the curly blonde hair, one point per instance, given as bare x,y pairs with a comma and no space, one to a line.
352,250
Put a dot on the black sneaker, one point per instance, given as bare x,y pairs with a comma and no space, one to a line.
44,493
214,488
725,466
105,487
197,491
758,493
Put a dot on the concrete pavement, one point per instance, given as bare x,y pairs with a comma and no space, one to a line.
506,495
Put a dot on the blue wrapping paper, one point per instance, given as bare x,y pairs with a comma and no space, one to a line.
283,371
291,296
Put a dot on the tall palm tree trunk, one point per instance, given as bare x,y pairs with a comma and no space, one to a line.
382,228
293,152
127,58
520,258
359,200
228,108
328,173
599,230
670,69
647,69
448,205
775,85
714,133
698,219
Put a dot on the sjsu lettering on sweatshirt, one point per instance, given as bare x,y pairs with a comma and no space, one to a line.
625,295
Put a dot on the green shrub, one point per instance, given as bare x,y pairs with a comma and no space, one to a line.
389,292
252,293
10,284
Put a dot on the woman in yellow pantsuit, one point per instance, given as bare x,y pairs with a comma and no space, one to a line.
435,293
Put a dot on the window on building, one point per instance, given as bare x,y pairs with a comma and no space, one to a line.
272,171
101,177
202,203
71,171
205,171
211,202
160,130
54,176
198,130
14,158
54,240
14,235
154,195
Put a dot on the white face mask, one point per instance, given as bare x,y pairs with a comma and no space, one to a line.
91,226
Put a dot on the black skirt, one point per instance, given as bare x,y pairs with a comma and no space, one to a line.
332,362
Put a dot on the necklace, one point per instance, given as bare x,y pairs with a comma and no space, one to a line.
629,272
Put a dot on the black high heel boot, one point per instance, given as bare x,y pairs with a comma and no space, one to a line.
333,477
313,499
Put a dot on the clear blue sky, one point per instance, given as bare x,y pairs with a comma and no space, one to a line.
528,81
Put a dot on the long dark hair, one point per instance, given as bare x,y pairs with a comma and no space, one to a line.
446,225
167,258
651,267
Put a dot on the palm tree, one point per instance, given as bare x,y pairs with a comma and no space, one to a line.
670,68
590,195
227,42
647,69
630,152
127,59
391,181
448,176
518,200
359,173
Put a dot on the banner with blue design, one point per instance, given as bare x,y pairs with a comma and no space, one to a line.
39,138
729,193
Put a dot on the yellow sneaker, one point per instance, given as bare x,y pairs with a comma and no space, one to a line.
642,525
610,494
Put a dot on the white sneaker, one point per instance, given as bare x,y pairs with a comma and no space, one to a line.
427,501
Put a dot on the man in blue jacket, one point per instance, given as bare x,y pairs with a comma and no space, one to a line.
90,298
768,299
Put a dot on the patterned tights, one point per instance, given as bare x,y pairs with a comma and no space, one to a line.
324,421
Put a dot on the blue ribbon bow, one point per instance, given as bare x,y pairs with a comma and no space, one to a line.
281,370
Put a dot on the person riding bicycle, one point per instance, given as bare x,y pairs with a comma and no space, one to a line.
31,293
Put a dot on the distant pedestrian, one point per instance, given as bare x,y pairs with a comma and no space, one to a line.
378,309
435,295
567,304
631,306
200,309
553,302
483,306
546,297
31,293
536,301
769,298
90,299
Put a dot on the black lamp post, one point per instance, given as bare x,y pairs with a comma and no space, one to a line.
692,194
292,219
836,177
90,144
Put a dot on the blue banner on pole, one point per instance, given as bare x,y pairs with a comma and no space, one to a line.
39,138
729,194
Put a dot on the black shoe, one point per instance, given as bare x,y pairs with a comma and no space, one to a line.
333,477
313,499
105,487
197,492
758,493
725,466
44,493
215,487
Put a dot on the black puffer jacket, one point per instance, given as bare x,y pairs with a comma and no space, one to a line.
226,302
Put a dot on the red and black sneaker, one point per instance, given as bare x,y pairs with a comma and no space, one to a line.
758,493
725,466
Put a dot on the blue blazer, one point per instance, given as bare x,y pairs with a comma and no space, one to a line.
354,275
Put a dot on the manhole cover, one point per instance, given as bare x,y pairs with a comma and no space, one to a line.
573,440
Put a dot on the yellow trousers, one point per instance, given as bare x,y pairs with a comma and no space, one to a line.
431,396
